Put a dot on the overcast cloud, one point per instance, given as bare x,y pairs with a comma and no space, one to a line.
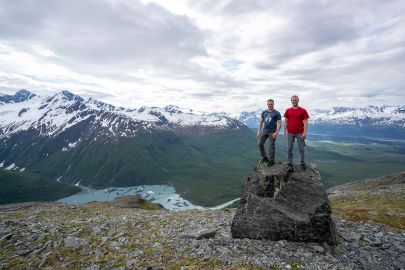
208,55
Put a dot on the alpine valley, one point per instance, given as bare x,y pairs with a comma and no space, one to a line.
71,140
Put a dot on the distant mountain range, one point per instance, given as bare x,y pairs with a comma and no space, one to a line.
71,140
75,140
384,121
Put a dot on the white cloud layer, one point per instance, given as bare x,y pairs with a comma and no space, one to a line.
209,55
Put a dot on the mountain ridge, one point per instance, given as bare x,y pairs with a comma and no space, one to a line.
71,139
69,109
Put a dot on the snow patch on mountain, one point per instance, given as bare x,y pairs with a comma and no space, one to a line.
11,167
71,145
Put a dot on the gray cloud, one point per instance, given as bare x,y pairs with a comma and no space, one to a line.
328,52
102,33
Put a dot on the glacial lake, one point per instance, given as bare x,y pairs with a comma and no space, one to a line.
163,194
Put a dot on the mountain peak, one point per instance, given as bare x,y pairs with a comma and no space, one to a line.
24,93
20,96
172,109
66,95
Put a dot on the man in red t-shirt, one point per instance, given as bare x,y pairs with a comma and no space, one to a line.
296,125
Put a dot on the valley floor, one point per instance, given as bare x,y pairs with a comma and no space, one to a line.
96,236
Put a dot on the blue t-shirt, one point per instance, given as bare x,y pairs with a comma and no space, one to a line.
270,120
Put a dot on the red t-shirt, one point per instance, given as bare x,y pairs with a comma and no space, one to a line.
296,119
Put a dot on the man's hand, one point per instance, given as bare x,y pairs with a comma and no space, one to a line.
285,135
303,136
258,134
275,134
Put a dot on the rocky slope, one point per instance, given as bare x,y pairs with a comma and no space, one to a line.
101,236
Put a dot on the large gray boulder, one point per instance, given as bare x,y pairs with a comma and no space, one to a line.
280,203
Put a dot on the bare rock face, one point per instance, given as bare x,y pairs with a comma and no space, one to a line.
280,203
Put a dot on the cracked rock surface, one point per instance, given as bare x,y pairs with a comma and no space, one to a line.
281,203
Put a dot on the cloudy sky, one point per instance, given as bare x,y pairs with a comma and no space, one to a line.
209,55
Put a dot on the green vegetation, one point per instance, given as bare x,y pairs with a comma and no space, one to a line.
202,264
24,187
382,208
205,168
295,264
342,162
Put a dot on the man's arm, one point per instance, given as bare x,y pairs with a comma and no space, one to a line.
285,127
278,129
259,128
304,135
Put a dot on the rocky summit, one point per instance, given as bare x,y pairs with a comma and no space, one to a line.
279,202
101,236
115,235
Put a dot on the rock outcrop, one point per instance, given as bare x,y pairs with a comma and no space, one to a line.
134,201
281,203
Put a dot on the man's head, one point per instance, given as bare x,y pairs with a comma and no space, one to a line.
295,100
270,104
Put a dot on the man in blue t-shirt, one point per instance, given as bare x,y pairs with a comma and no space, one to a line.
272,125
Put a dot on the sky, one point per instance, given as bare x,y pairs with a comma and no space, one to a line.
208,55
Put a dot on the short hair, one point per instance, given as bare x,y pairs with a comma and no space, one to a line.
295,96
270,100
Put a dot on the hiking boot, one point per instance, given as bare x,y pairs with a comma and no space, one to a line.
303,167
265,160
290,166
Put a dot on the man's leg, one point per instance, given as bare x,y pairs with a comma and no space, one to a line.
301,147
291,139
262,140
272,148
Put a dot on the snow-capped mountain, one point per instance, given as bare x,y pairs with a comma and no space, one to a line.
71,140
20,96
370,116
55,114
384,116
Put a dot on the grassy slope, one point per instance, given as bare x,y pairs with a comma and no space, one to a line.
388,209
380,200
215,167
23,187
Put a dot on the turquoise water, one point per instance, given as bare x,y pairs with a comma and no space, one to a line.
163,194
